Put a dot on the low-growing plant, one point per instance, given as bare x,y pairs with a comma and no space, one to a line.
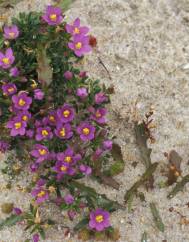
53,115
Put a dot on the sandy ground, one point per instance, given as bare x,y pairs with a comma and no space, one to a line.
145,46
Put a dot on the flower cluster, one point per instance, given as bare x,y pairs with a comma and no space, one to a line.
63,122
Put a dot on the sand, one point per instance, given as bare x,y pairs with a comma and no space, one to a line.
145,46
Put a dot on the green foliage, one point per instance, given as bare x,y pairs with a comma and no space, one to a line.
156,216
10,221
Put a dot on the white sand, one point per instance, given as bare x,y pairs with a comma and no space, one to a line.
144,44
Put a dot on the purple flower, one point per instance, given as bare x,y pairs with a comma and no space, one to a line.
68,75
9,89
40,194
107,144
24,115
29,133
100,97
38,94
68,199
7,59
63,131
17,126
41,182
80,45
63,168
40,152
99,219
82,92
14,72
22,101
97,154
53,15
68,157
43,133
85,169
34,167
51,119
11,32
71,214
59,201
99,115
17,211
4,146
86,131
76,29
66,113
83,74
36,238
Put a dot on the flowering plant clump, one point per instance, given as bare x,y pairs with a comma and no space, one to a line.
55,114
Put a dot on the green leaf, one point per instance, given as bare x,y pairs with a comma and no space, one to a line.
179,186
156,217
107,204
145,177
141,139
10,221
42,233
119,164
81,224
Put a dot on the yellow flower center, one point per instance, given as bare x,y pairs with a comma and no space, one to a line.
44,132
41,194
86,131
76,31
12,34
53,17
6,61
18,125
21,102
98,114
25,118
78,45
66,113
99,218
42,152
51,118
62,132
11,89
68,159
63,168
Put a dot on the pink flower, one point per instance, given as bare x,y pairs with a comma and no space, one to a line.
99,219
100,97
99,115
17,126
53,15
82,92
43,133
80,45
76,29
40,194
11,32
7,59
14,72
22,101
68,75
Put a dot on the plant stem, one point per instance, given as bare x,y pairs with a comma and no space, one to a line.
145,177
156,217
179,186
